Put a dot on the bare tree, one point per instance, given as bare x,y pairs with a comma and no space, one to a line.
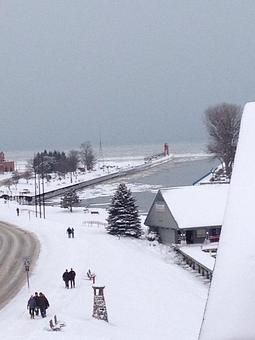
87,156
15,178
223,125
29,172
73,158
8,183
27,175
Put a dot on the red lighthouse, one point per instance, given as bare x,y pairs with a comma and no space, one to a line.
166,149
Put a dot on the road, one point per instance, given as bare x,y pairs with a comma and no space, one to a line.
15,244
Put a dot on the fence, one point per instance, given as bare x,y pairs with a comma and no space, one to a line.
94,224
194,264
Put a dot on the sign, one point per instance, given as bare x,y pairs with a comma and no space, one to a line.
160,207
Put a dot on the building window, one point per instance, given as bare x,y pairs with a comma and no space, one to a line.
215,232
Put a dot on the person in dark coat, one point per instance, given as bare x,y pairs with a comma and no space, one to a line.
72,232
36,296
43,304
72,275
31,304
69,232
66,278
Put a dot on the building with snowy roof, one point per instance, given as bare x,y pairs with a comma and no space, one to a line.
193,211
5,166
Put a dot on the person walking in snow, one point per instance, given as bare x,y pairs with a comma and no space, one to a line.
36,296
69,232
66,278
43,304
72,232
17,210
72,275
31,305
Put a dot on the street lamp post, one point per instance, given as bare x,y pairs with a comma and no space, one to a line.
35,189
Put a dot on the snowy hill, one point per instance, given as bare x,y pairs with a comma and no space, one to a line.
147,295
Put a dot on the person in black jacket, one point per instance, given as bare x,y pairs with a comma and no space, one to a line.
36,303
43,304
66,278
31,304
72,275
69,232
72,232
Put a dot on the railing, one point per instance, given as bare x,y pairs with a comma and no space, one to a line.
94,224
194,264
204,176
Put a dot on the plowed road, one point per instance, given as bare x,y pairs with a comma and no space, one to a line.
15,244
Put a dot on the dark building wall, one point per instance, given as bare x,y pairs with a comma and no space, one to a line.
7,167
160,215
167,236
161,220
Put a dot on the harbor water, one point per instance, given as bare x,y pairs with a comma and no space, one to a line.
190,163
145,185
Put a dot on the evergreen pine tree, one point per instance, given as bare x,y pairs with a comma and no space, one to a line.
123,216
69,200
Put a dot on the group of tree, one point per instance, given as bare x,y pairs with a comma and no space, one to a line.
223,125
47,162
123,218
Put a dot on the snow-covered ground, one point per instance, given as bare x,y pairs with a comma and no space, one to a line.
148,296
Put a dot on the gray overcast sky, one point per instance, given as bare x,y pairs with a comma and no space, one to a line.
142,71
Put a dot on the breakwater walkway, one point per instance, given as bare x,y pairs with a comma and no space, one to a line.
104,178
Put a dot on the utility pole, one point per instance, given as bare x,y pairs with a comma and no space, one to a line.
101,155
39,196
43,197
34,165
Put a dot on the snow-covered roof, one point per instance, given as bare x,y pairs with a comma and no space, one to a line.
230,309
197,205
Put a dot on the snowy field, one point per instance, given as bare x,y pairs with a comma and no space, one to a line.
148,296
